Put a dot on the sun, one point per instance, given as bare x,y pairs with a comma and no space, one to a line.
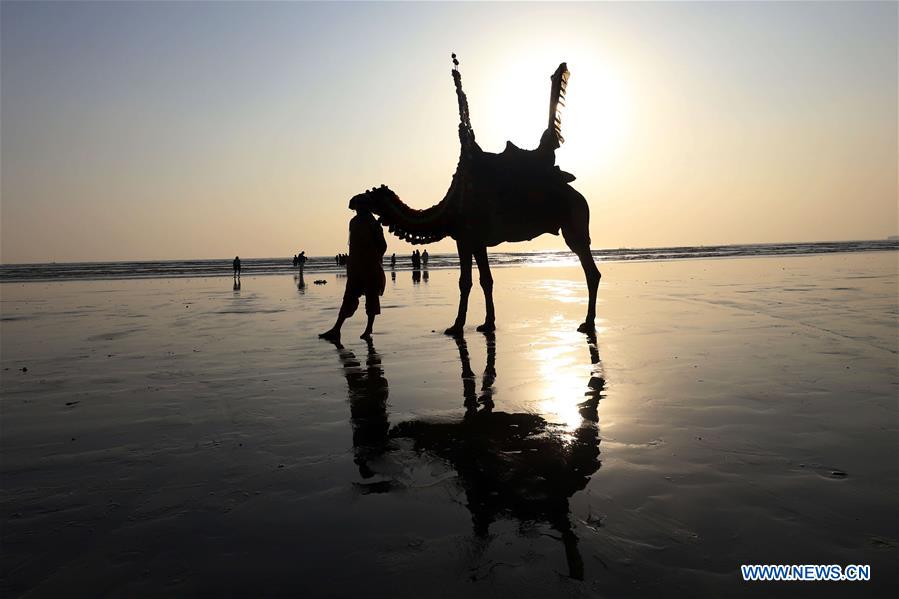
595,119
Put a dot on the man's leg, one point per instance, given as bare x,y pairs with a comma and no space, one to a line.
333,334
347,309
372,309
366,334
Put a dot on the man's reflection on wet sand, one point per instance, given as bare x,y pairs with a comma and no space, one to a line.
367,394
510,465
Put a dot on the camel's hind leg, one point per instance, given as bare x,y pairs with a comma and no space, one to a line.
577,236
486,280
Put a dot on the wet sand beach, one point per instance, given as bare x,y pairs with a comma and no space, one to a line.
180,437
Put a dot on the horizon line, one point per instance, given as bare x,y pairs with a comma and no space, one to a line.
894,238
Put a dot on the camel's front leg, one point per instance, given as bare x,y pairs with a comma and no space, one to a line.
480,255
464,289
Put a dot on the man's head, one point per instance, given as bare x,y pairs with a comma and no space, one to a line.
373,200
359,204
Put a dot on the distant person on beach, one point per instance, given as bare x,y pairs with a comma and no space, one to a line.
236,265
416,260
301,261
294,260
424,259
365,275
393,261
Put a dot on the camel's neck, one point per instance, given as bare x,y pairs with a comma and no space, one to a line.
417,226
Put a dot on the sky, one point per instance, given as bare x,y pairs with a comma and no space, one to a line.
177,130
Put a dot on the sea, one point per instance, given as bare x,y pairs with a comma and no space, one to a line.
63,271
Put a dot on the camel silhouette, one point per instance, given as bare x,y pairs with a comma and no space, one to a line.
515,195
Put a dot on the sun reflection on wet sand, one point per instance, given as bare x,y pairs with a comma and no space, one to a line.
563,291
562,375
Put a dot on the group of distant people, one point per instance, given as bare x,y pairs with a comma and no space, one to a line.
419,259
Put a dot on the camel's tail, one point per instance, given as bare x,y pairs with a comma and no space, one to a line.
559,81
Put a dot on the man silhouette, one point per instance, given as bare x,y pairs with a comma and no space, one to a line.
365,275
301,261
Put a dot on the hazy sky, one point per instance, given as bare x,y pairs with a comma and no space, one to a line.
190,130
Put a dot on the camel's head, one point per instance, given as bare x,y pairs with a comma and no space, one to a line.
374,200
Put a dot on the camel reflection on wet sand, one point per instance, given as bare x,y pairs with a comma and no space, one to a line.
510,465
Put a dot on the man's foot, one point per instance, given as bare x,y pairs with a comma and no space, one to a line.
365,334
487,327
454,331
331,335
